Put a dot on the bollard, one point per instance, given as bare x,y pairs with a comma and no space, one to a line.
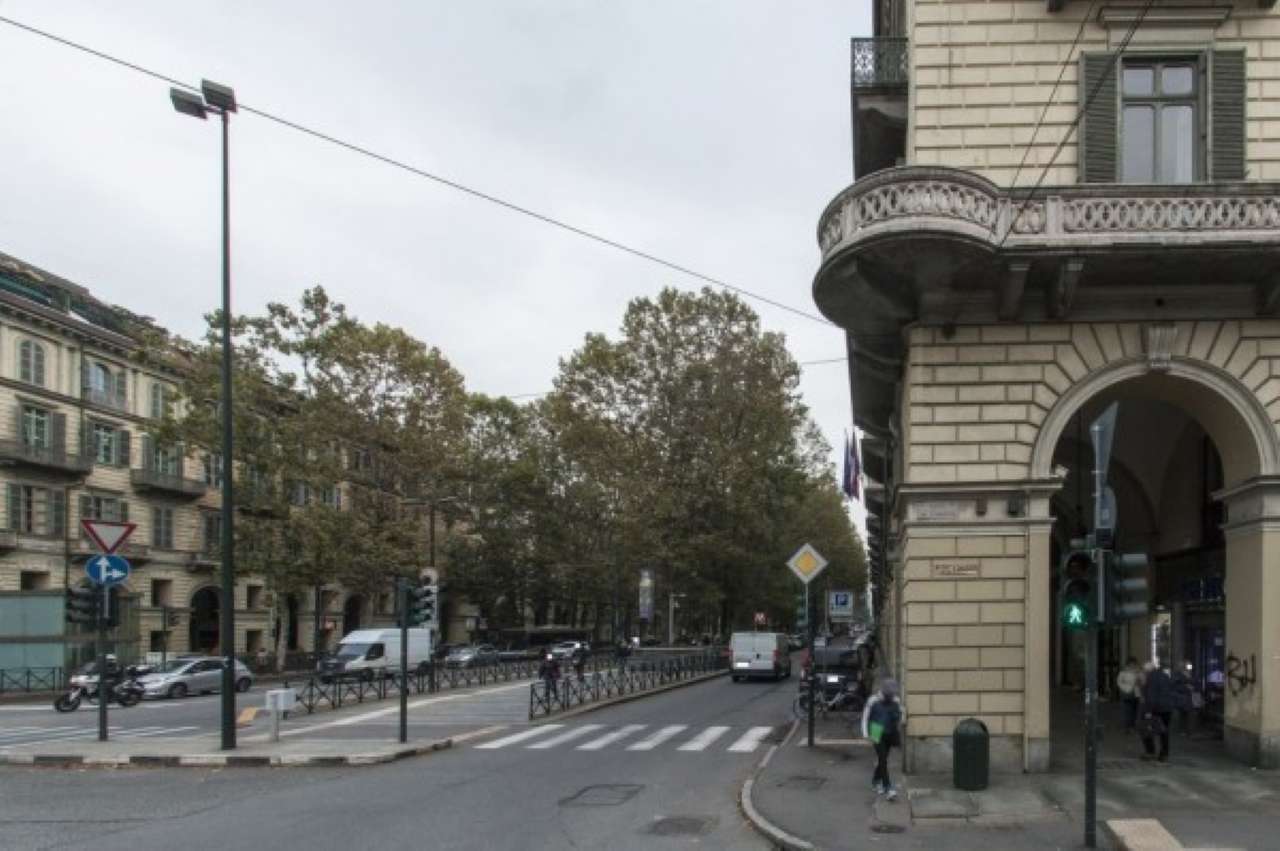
279,701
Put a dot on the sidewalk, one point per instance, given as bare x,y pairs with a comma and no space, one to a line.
821,798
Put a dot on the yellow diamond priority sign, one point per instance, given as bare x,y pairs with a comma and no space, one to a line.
806,563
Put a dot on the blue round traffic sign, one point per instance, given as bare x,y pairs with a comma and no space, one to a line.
107,570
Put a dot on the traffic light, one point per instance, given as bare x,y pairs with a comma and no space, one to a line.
1078,590
82,605
1127,588
422,604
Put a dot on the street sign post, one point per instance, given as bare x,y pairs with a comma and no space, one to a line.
840,606
806,563
106,570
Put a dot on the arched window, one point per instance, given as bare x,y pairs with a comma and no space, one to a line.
100,380
31,362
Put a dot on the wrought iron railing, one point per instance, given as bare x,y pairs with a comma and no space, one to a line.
31,679
880,62
549,696
45,456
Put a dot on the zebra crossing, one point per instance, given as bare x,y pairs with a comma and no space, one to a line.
11,737
632,737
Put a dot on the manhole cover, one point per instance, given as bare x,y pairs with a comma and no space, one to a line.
682,825
604,795
807,783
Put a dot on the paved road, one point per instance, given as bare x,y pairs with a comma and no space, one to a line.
35,723
658,772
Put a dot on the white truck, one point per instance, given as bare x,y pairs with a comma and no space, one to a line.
374,653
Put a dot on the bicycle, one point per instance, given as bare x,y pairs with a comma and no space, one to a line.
844,700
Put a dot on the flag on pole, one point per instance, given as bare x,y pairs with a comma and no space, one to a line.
851,485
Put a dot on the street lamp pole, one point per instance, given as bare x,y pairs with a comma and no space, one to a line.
221,100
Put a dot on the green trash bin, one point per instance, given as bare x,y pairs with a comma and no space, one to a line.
971,755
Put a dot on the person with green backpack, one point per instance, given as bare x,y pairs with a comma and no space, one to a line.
882,721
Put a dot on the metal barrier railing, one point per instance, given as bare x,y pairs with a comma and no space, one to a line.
32,679
549,696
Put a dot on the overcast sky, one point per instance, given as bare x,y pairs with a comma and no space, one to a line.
709,133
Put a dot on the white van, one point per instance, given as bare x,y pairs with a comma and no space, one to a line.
377,651
759,654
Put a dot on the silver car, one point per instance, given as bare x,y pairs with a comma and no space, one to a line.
192,675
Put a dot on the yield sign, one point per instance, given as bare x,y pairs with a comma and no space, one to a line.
806,563
108,534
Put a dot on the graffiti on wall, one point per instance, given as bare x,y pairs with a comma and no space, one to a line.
1241,673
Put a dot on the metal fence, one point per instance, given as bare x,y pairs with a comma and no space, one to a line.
32,679
880,62
556,695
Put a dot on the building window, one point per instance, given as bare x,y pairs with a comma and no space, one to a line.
110,508
104,444
164,459
331,496
102,386
212,532
159,400
299,493
213,469
1159,122
161,592
35,510
162,528
33,580
31,362
35,427
253,596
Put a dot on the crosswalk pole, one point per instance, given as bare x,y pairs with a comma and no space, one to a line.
103,688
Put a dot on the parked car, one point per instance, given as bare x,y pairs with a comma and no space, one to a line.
192,675
795,641
471,656
518,654
566,649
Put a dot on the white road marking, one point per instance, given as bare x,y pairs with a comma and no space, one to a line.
750,740
570,735
703,739
519,737
157,731
609,738
658,737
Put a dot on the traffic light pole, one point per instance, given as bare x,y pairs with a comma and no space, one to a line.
1091,740
103,688
813,666
404,660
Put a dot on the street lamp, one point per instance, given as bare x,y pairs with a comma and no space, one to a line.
221,100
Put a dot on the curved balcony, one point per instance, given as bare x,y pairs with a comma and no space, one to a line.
944,246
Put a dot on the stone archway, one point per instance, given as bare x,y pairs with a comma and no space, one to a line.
1246,440
205,609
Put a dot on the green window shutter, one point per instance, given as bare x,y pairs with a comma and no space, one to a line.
122,387
84,375
58,433
86,507
157,536
25,369
1227,99
148,453
124,511
20,426
1098,138
14,507
37,361
124,447
57,512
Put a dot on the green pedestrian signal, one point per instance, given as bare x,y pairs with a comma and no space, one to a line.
1076,575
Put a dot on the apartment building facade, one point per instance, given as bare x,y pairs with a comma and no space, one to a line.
1057,205
77,412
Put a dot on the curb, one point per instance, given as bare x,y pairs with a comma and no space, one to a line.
779,836
625,698
224,760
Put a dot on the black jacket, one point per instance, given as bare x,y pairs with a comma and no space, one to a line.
1157,692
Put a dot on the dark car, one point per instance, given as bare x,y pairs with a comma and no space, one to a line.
471,656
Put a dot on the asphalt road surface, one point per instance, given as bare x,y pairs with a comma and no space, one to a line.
658,772
37,723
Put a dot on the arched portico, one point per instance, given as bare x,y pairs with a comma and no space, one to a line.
1245,438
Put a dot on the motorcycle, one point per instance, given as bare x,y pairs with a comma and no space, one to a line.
126,693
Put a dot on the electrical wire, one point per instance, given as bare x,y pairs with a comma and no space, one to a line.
423,173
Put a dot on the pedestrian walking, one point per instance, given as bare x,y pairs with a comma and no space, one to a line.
580,663
549,672
623,651
1158,702
882,722
1184,695
1127,684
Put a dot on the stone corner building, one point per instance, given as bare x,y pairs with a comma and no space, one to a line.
1004,274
